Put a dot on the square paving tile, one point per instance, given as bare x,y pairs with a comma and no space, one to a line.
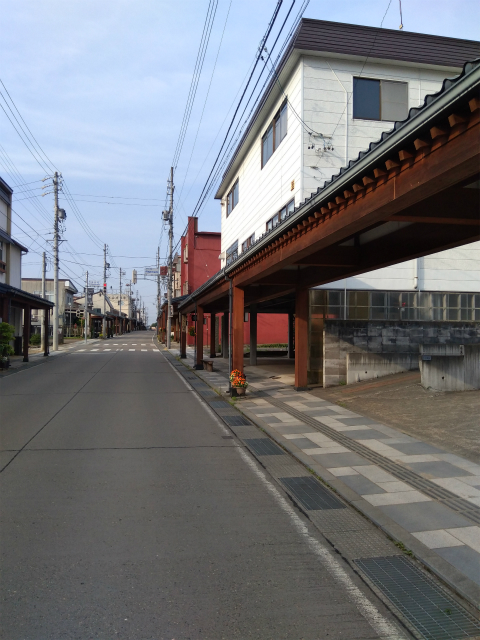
340,460
402,497
464,559
416,448
438,469
424,516
437,539
468,535
360,421
364,434
304,443
343,471
362,485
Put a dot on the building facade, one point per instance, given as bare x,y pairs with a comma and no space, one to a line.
66,305
336,91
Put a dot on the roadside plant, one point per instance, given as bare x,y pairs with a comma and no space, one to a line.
35,339
191,331
7,332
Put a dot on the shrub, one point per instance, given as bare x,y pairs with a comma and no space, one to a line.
35,339
6,336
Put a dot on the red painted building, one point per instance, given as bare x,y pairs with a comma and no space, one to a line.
199,261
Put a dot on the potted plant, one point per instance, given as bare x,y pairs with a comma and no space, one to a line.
238,382
191,331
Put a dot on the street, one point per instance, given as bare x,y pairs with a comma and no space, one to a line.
129,511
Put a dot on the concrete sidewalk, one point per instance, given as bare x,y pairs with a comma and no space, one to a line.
422,496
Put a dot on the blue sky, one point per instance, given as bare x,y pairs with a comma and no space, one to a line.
103,86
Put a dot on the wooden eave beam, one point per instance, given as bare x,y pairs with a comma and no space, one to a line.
455,161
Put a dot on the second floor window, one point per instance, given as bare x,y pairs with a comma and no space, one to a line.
248,243
281,215
380,99
232,198
231,253
274,135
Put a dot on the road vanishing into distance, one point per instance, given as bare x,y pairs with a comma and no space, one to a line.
129,511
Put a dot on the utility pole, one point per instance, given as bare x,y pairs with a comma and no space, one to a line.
55,262
44,268
158,283
85,308
120,301
104,321
170,261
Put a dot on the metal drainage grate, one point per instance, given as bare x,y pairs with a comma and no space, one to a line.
236,421
219,404
425,605
311,494
264,447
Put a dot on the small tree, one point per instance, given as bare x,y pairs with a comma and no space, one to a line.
7,331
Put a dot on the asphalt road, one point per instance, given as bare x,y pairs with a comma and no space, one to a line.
127,514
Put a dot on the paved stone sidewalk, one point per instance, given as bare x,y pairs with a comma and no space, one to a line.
422,496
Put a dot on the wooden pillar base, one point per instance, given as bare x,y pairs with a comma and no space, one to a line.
253,335
301,339
213,353
199,359
238,320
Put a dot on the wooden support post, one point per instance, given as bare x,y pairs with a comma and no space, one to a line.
225,324
238,320
183,336
199,363
291,333
301,339
253,335
46,316
26,331
212,336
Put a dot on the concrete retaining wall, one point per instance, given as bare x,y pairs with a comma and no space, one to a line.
342,337
366,366
450,367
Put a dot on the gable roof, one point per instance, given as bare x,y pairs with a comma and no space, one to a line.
352,40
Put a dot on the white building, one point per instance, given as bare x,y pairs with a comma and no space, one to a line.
334,92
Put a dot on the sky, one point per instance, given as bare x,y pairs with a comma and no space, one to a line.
103,87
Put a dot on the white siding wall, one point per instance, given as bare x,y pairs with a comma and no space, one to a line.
263,192
3,216
319,89
326,111
15,267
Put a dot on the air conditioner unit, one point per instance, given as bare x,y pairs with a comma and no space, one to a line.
223,255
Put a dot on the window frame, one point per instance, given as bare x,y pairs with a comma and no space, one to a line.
379,80
231,194
277,218
272,126
246,244
231,254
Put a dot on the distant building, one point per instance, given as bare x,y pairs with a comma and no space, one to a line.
15,305
66,306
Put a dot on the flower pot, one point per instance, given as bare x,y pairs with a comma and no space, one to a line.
238,391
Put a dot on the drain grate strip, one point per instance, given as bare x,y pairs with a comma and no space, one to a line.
219,404
311,494
444,496
263,447
425,605
236,421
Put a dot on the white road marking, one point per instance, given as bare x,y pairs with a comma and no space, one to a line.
143,349
383,627
93,349
107,349
82,350
131,349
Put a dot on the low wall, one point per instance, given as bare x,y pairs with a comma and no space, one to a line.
450,367
366,366
342,337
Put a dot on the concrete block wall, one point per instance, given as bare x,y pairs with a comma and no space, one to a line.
357,336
